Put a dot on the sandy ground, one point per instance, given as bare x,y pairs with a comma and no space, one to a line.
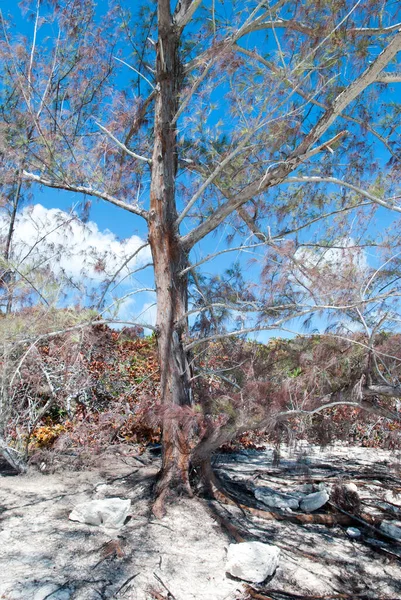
317,560
44,555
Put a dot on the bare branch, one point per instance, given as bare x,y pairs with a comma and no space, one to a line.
389,78
116,274
123,146
376,410
137,72
242,248
312,179
185,11
35,31
95,321
88,191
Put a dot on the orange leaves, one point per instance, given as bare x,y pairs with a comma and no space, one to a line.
45,436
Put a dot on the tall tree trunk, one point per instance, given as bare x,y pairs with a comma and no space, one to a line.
169,258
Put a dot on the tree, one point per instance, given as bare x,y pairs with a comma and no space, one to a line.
303,106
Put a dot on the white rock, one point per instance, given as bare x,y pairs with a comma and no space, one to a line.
314,501
252,561
275,499
392,528
351,487
353,532
110,512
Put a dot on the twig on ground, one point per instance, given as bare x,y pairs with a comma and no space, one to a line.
170,596
126,582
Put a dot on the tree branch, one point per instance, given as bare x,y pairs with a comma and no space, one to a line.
185,11
354,188
123,146
277,174
294,86
136,210
389,78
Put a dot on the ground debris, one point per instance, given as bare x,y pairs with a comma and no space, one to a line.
282,595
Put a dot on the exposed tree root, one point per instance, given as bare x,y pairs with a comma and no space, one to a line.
329,519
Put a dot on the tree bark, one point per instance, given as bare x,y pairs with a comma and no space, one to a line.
8,277
169,259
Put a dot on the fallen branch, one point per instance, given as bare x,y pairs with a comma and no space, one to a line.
364,520
329,519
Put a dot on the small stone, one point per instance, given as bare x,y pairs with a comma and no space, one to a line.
275,499
314,501
351,487
392,528
353,533
252,561
110,512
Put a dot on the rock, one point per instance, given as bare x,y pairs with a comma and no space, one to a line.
110,512
393,498
351,487
314,501
392,528
275,499
306,488
353,533
52,591
252,561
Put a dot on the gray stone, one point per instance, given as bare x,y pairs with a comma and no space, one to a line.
52,591
252,561
275,499
314,501
110,512
392,528
353,533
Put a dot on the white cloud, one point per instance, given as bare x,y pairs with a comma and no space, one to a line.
80,250
332,269
344,254
330,276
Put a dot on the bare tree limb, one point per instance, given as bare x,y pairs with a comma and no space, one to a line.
185,11
312,179
123,146
136,210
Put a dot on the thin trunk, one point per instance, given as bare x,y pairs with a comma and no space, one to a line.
12,457
8,277
169,258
